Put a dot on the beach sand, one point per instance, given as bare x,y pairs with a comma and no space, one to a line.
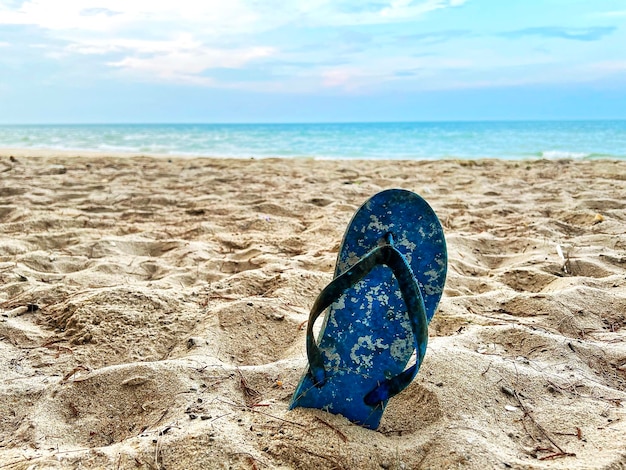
152,314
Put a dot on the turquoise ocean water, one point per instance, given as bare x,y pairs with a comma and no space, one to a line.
409,140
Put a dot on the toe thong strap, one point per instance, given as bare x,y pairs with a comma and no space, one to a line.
383,255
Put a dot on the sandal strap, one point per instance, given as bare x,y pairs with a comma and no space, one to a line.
391,257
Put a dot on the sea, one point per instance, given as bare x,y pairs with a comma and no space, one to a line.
385,140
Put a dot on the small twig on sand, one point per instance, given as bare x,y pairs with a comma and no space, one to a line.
67,376
334,461
543,431
251,395
156,422
343,437
256,410
158,454
279,419
558,455
253,460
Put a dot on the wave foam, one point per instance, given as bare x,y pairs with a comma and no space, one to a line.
557,154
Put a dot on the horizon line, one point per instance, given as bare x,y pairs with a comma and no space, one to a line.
434,121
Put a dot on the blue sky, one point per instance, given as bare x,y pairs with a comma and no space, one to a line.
310,60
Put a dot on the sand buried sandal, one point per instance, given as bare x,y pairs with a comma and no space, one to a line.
389,278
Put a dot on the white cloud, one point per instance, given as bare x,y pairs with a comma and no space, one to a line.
611,66
180,40
372,73
184,42
186,65
404,9
351,13
112,15
209,16
182,59
613,14
159,39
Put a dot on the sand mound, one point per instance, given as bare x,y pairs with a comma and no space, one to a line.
153,310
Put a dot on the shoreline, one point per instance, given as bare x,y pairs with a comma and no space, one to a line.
151,313
46,152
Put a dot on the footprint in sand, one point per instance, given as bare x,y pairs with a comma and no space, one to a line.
106,406
254,332
411,411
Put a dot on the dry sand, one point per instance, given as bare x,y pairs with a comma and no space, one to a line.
152,314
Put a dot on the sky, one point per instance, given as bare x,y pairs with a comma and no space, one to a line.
109,61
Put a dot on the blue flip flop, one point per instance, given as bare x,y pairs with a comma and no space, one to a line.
390,274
